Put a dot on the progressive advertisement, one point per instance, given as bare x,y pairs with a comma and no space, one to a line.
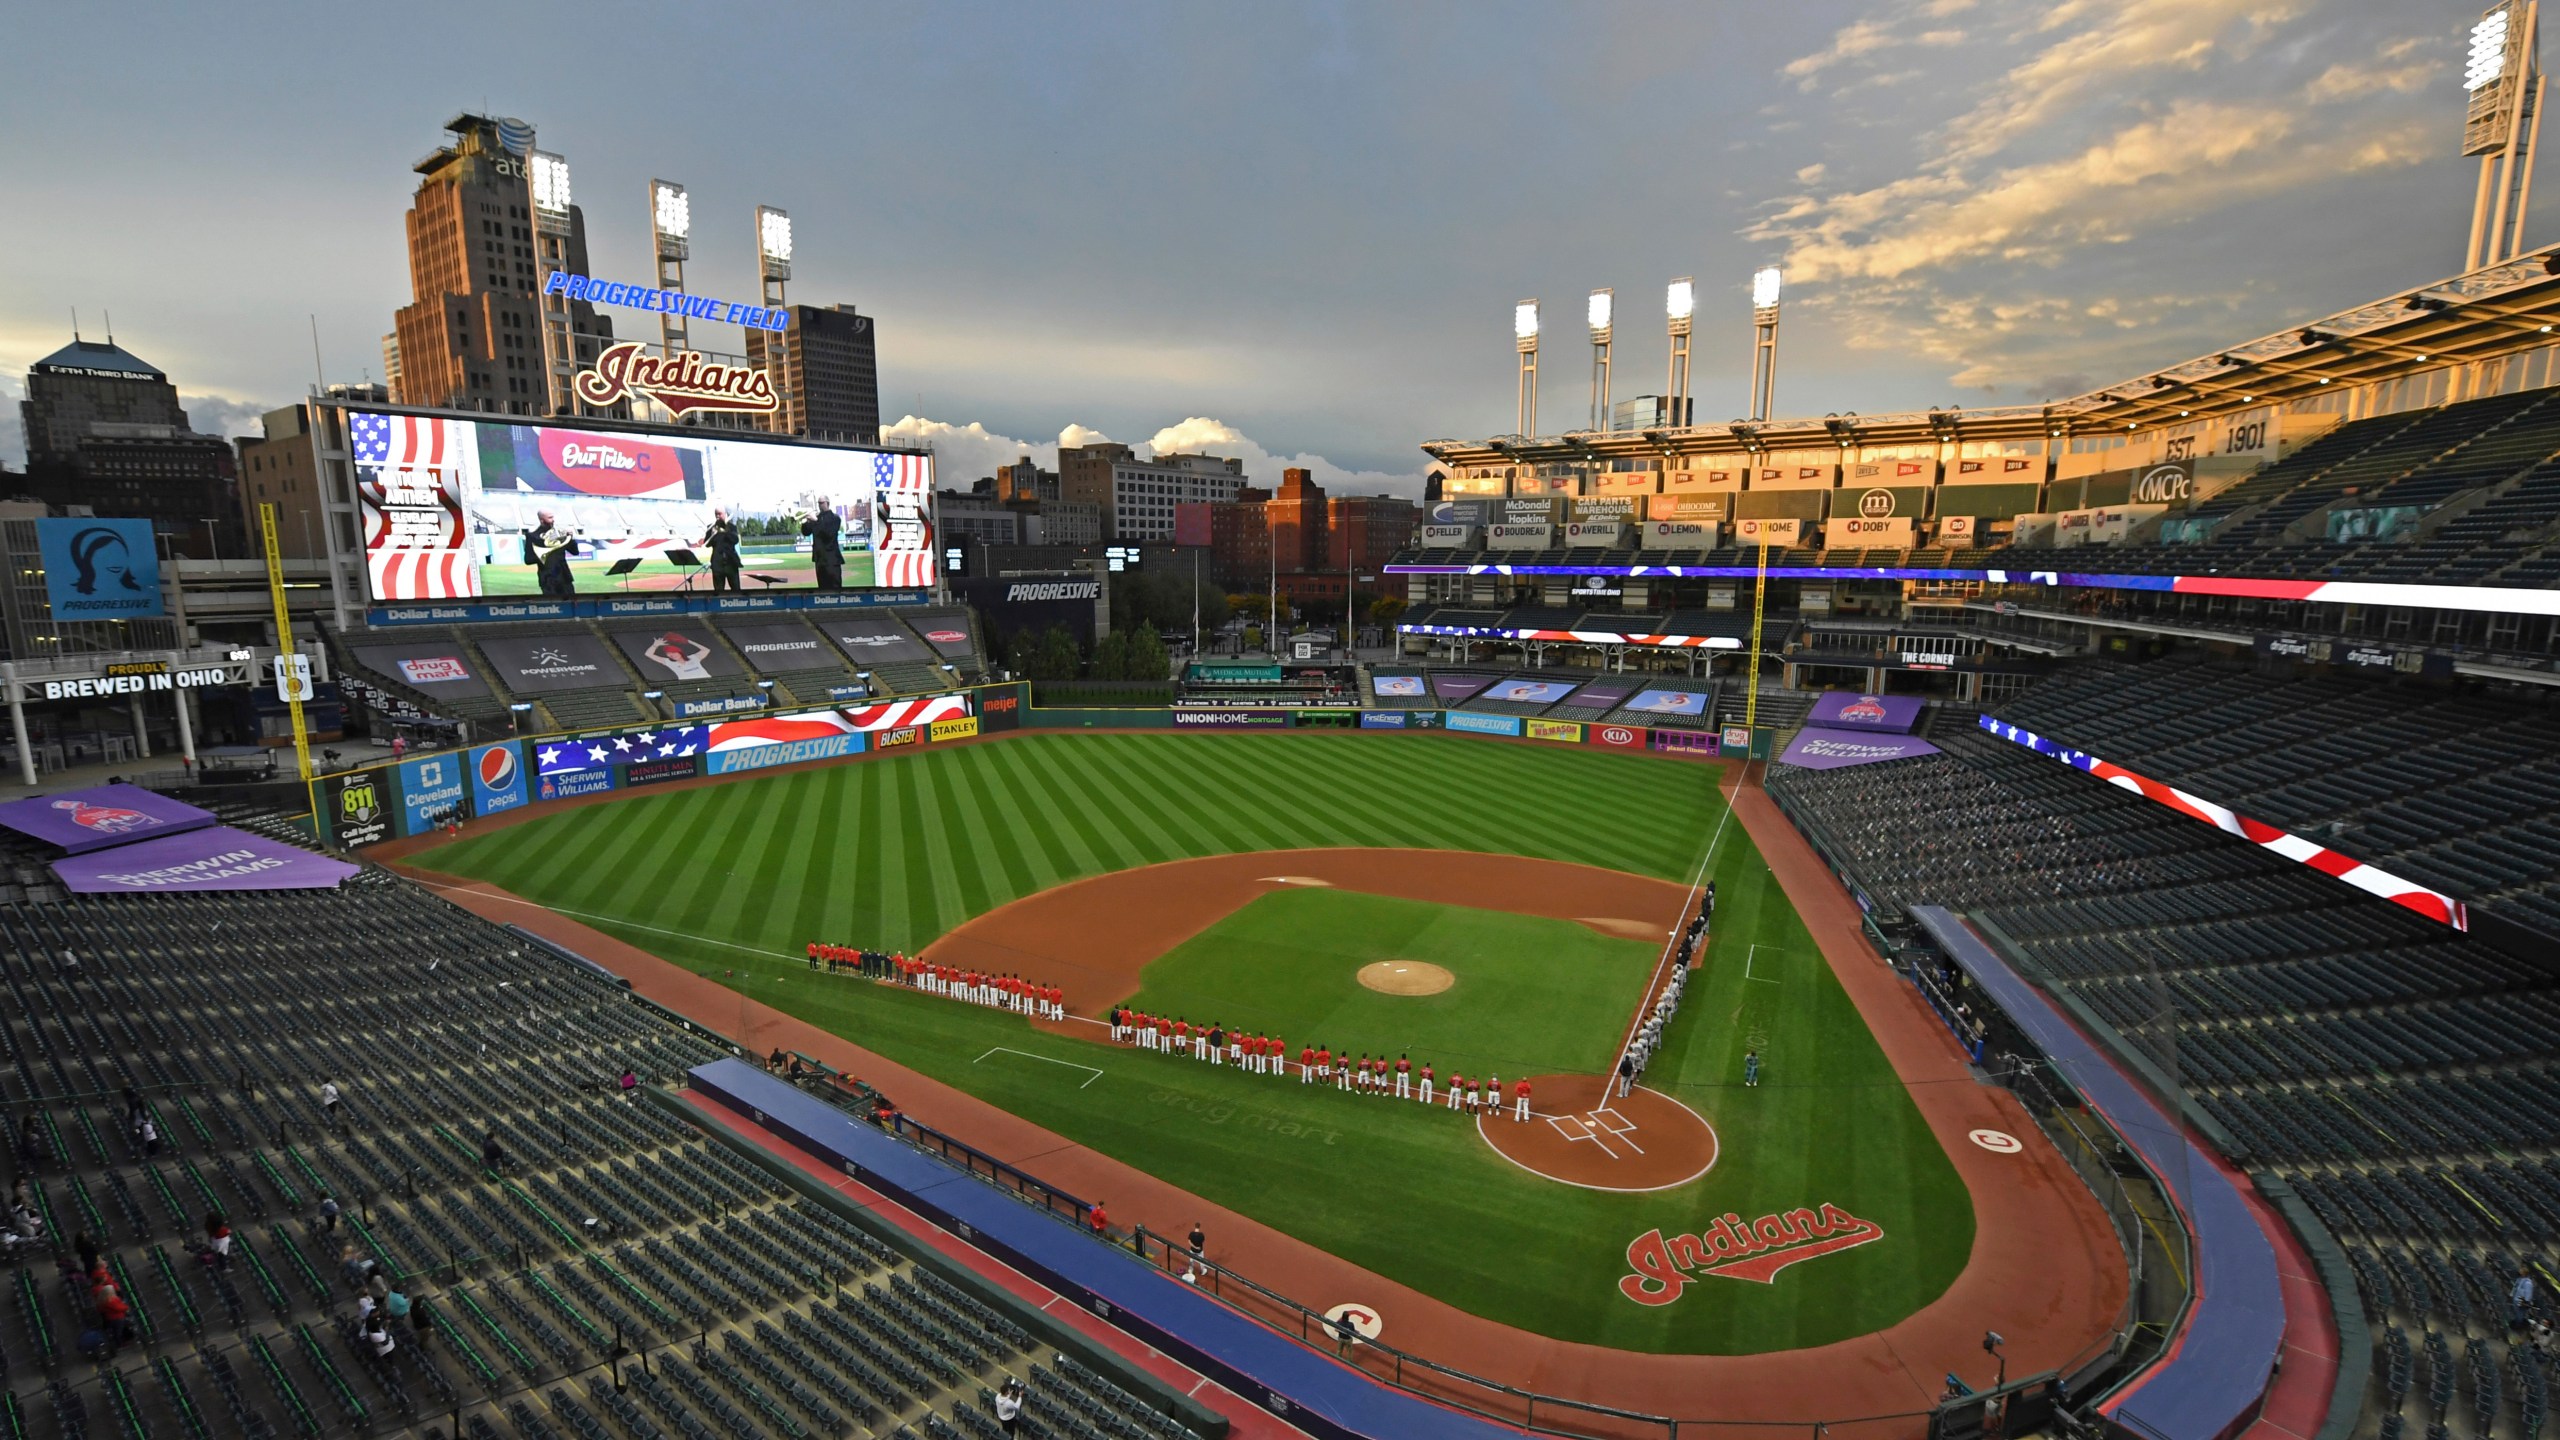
454,510
1483,724
99,569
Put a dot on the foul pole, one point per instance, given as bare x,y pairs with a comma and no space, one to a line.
284,647
1751,696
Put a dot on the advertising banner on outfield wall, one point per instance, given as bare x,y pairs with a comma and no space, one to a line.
1623,737
1567,731
771,753
497,778
1685,742
1231,719
659,772
1381,719
430,786
358,807
1473,724
964,728
574,782
1000,709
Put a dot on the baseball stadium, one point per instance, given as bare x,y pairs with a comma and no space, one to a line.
1750,942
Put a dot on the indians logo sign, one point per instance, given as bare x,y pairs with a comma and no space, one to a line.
682,382
104,819
1734,1249
1865,707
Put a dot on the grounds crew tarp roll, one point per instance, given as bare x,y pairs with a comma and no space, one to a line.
101,816
543,664
217,859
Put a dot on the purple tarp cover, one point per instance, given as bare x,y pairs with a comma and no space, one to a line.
1831,749
103,815
1848,710
218,859
1458,687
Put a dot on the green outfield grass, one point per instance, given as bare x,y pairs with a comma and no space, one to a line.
732,880
1532,996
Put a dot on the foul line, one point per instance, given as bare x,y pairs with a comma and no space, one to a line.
1752,954
1027,1055
1671,947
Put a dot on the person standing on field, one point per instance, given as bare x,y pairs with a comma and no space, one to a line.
1426,1084
1520,1101
1404,1077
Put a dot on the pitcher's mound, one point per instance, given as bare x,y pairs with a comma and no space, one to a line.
1579,1133
1406,977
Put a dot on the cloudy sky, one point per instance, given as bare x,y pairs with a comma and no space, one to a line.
1285,230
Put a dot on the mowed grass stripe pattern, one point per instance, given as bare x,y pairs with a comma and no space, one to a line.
897,850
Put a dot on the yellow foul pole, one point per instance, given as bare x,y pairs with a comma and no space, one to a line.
284,640
1759,604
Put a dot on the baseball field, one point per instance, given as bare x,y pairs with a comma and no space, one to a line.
1530,885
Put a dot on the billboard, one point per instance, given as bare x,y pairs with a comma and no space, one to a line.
1816,749
436,667
1027,602
217,859
99,569
1000,708
497,778
1530,692
1623,737
450,508
1229,719
868,641
1848,710
1482,724
677,651
576,782
539,664
1604,694
1396,687
1454,688
1568,731
358,807
429,786
101,816
654,771
783,645
1670,702
1381,719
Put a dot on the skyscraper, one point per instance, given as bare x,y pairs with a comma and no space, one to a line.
105,430
470,337
828,374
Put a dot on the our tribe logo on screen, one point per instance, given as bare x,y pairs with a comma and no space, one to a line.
105,819
683,382
1738,1249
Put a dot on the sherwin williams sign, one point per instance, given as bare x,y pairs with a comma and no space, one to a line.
101,816
1833,749
217,859
99,569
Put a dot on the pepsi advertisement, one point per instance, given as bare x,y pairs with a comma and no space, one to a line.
497,779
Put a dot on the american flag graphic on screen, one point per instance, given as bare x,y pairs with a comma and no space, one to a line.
902,521
409,479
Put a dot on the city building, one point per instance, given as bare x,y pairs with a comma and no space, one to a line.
279,468
1023,480
470,337
1066,522
1084,473
1144,492
977,516
827,370
105,433
1363,532
1298,539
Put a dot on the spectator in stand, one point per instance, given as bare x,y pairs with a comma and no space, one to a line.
327,1223
630,1082
115,1318
216,1250
31,1146
1009,1406
1097,1221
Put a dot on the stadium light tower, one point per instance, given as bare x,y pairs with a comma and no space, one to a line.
1524,335
671,235
1764,339
1602,302
547,189
1679,302
2503,117
773,274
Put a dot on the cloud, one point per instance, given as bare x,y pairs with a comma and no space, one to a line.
963,453
1861,38
224,416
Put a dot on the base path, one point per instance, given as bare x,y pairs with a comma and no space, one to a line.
1581,1134
2045,1270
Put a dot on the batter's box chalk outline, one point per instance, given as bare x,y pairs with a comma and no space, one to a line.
1046,1060
1749,957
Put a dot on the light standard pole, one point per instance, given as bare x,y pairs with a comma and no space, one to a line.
1764,339
1524,336
1679,301
1603,301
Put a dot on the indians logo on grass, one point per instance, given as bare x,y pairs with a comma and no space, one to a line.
1735,1250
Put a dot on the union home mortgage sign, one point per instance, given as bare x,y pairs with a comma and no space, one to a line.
133,677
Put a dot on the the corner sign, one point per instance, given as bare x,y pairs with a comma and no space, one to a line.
681,382
1735,1249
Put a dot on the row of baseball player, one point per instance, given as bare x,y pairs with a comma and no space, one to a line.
1377,1076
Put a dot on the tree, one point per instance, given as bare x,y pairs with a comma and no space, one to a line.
1111,656
1058,658
1146,658
1387,609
